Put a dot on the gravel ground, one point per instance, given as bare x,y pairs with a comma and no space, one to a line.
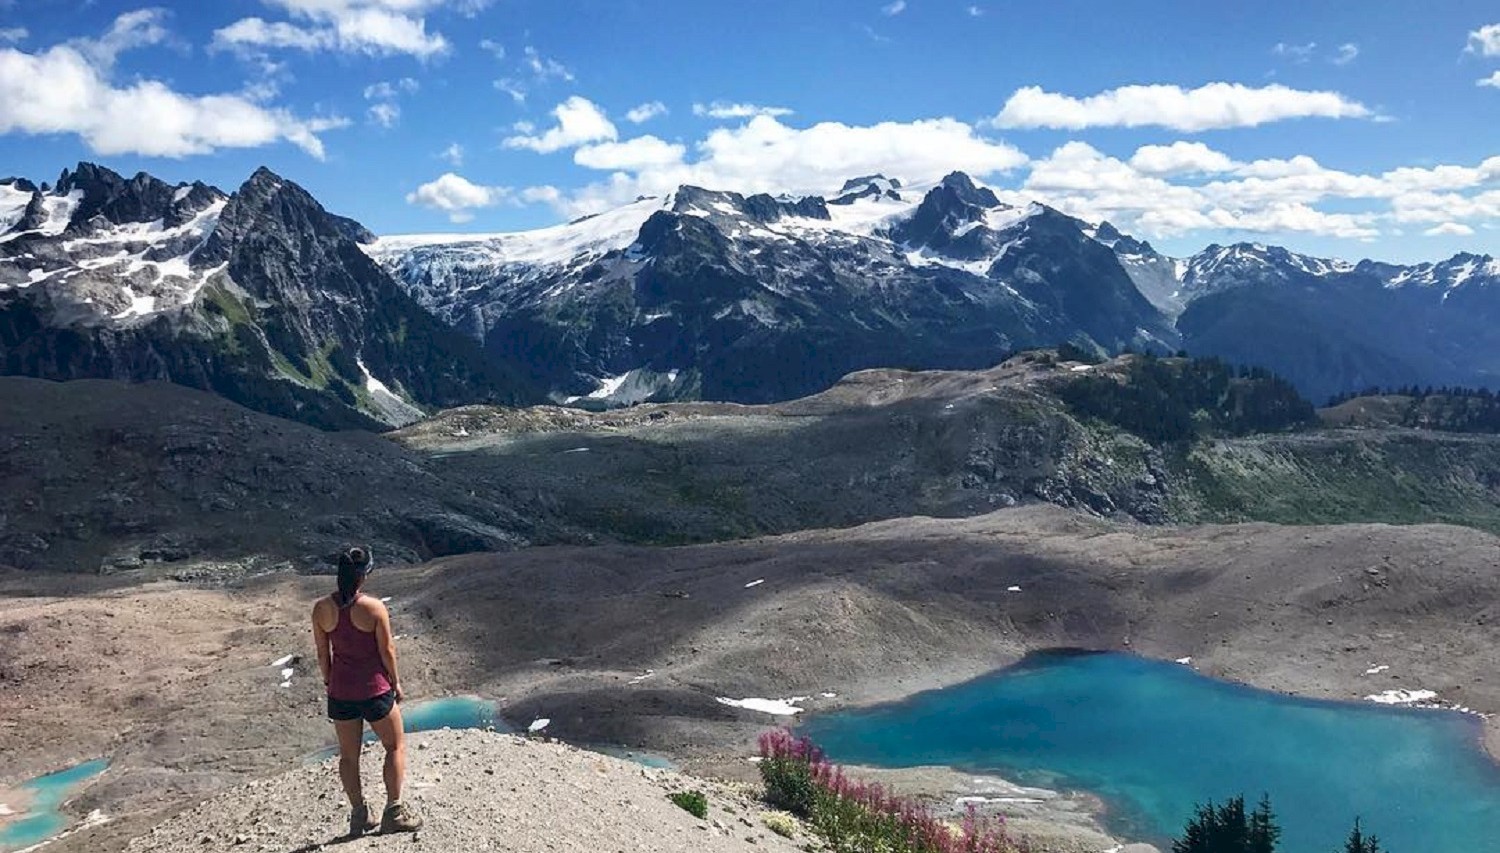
631,646
480,791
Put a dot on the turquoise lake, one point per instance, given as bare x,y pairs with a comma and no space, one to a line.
1152,739
42,820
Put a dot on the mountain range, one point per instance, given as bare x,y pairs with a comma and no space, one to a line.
266,298
260,295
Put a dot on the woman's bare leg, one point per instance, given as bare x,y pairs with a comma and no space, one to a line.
351,735
393,738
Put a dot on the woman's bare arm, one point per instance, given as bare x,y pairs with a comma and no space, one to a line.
387,644
320,641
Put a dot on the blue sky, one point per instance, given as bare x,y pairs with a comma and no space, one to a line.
1373,132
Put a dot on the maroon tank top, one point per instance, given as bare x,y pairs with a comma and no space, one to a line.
357,673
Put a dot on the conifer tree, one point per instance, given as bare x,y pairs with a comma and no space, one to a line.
1359,843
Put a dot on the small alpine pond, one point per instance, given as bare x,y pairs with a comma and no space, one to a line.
42,820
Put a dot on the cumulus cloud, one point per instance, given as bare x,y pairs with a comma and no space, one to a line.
893,8
640,153
387,113
579,121
1450,229
1171,190
67,89
1180,158
1347,53
454,154
765,155
725,109
457,196
1493,80
375,27
11,35
1485,41
492,47
646,112
1208,107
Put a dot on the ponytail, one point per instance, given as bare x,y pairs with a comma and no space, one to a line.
354,564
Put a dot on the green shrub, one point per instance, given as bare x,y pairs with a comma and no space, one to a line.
692,802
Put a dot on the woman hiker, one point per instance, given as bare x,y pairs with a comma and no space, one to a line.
357,655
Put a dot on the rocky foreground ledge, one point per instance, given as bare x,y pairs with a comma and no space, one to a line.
481,791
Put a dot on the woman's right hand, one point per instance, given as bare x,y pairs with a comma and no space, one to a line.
400,696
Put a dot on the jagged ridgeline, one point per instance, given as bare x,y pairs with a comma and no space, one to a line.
261,296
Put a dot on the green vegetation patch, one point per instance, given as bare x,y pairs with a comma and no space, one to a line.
692,802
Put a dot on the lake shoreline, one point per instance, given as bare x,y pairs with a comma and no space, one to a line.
949,782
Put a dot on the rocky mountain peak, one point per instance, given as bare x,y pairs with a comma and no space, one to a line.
867,186
965,190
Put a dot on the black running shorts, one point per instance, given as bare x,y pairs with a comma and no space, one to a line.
370,710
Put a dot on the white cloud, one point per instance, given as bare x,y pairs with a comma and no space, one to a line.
375,27
1156,194
1485,40
457,196
1492,80
454,154
1180,158
579,121
724,109
764,155
1211,106
66,89
893,8
11,35
544,194
1450,229
646,112
1298,53
386,114
545,68
140,28
514,88
974,11
638,154
1347,54
386,90
493,48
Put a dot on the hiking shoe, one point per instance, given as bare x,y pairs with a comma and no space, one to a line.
360,820
399,818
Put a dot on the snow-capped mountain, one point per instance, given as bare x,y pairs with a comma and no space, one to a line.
1328,325
719,295
261,295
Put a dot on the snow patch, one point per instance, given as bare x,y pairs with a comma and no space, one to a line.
283,661
1376,670
775,707
538,724
560,245
1402,697
391,407
755,583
